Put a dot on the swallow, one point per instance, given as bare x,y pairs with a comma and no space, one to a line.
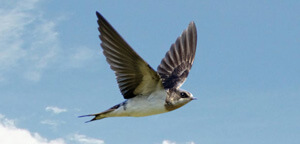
146,91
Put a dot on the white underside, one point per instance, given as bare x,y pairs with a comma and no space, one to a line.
142,105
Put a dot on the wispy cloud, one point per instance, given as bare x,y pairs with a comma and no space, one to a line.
30,44
28,41
55,110
52,123
10,134
85,140
80,56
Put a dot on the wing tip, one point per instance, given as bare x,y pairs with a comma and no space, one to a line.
192,23
101,18
192,26
98,14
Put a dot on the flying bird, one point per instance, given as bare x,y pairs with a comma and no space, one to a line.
146,91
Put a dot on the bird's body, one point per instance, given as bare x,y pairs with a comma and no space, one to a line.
146,91
141,106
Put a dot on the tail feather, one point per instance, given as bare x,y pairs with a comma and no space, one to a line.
102,115
96,117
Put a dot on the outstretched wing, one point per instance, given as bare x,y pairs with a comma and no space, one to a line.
175,67
134,75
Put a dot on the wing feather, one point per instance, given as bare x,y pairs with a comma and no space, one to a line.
134,76
178,61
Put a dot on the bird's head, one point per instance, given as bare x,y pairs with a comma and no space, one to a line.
177,98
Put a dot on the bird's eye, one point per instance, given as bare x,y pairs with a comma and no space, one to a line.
183,95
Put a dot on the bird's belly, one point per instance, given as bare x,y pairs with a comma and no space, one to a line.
145,108
144,105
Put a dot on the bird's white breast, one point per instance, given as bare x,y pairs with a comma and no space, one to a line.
143,105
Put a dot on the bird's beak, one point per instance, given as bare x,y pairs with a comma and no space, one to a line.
193,98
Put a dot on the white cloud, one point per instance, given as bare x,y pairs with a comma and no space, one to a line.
85,140
171,142
55,110
168,142
10,134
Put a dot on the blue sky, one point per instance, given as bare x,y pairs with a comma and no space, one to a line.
245,74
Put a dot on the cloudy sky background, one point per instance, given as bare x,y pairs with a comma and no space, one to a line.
245,74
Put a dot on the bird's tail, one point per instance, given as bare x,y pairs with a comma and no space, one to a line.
102,115
97,116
